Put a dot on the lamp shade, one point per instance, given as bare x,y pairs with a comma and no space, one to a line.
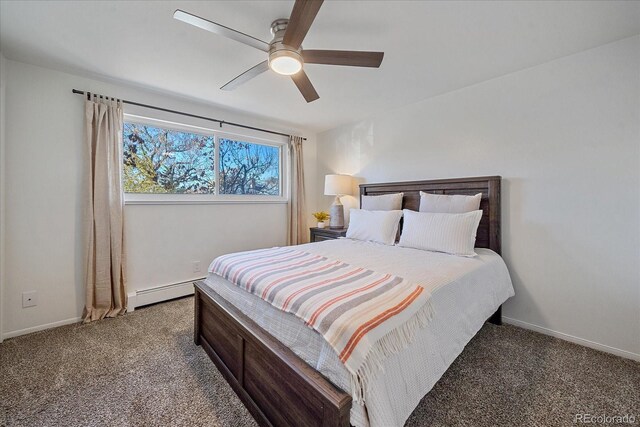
335,185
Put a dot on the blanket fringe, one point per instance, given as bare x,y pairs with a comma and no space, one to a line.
392,343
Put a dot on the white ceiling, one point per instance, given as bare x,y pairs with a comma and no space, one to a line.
430,47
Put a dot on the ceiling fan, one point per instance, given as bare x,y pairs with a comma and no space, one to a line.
286,55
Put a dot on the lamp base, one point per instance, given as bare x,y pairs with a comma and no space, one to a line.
337,214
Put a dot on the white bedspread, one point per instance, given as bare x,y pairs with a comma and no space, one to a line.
465,292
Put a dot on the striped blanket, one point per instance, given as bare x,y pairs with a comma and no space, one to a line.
363,315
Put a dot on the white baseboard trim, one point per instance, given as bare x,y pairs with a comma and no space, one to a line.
40,327
136,299
156,294
131,301
576,340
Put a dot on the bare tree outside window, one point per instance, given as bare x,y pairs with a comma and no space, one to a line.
160,160
247,168
157,160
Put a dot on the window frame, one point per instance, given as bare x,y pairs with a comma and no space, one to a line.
177,199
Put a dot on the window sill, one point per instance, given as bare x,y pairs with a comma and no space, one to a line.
248,201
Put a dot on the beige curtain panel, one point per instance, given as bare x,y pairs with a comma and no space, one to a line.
297,232
106,294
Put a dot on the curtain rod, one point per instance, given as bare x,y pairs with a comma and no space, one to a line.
182,113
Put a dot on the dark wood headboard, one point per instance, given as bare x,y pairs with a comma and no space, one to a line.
488,235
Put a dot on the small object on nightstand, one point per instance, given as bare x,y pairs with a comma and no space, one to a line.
321,217
320,234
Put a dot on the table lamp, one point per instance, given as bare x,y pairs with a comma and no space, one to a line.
337,185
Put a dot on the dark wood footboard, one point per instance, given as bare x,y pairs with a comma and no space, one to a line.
277,387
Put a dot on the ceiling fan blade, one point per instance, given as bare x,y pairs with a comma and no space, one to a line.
246,76
302,16
304,86
343,57
220,30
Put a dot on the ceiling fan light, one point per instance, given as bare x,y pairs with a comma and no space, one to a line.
285,65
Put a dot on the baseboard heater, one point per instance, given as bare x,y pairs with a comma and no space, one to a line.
157,294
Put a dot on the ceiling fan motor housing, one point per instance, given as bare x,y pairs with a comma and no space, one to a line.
277,49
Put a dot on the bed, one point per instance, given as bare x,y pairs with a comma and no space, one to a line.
285,373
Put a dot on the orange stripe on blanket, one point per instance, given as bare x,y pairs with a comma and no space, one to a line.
279,267
259,263
327,304
291,276
232,260
369,325
315,285
229,257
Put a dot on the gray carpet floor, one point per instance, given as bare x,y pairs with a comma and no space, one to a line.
143,369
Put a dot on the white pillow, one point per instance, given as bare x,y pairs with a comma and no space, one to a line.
441,232
442,203
374,226
385,202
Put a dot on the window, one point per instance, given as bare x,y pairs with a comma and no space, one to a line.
247,168
166,162
158,160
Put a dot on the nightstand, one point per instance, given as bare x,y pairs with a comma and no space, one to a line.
320,234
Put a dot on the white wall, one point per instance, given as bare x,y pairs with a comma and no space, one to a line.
565,136
44,201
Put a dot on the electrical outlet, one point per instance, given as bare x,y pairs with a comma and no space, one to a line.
196,266
29,299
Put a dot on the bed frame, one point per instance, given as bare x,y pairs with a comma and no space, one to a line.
278,387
